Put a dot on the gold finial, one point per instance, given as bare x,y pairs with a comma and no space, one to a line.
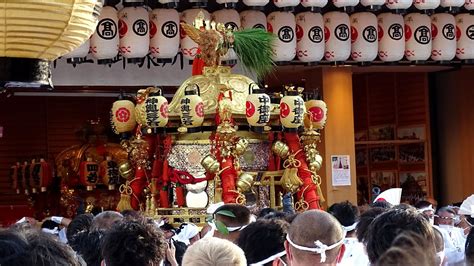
199,20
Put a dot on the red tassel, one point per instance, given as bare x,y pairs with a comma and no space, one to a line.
228,178
179,195
137,187
164,203
198,64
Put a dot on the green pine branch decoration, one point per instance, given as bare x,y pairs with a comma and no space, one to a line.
254,47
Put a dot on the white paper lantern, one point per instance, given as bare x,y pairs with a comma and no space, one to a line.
426,4
373,4
443,32
164,33
452,4
104,42
347,5
256,3
337,36
391,37
286,3
364,37
227,3
283,25
310,37
398,4
77,55
314,4
465,34
253,19
230,18
188,47
469,5
133,30
417,37
292,109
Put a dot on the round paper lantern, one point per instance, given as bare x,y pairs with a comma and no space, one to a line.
104,42
123,116
465,37
156,110
373,4
169,3
253,19
310,37
417,37
34,33
78,54
337,36
89,173
346,5
257,108
399,6
452,5
133,30
391,42
283,25
314,5
256,3
164,33
188,47
443,32
317,110
428,5
231,19
292,110
364,37
192,109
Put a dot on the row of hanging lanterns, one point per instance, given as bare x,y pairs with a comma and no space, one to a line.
125,115
336,36
308,36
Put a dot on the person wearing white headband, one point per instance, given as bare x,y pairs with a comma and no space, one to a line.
227,222
315,238
426,208
348,215
263,242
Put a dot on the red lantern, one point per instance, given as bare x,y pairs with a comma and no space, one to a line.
46,175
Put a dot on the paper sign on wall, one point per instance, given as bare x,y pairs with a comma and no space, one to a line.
341,170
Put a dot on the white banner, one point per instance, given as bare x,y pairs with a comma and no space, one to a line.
150,73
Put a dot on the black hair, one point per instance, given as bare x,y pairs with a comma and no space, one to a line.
80,223
469,248
44,249
365,220
346,213
265,211
387,226
262,239
134,242
381,204
131,214
422,204
408,248
48,224
276,215
179,253
13,247
241,213
86,244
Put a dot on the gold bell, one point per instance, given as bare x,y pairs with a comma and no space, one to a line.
241,146
125,170
245,182
210,164
280,149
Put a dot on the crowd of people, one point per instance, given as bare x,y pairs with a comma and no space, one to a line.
343,235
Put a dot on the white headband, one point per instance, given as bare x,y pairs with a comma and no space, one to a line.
429,208
350,227
320,248
271,258
54,231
